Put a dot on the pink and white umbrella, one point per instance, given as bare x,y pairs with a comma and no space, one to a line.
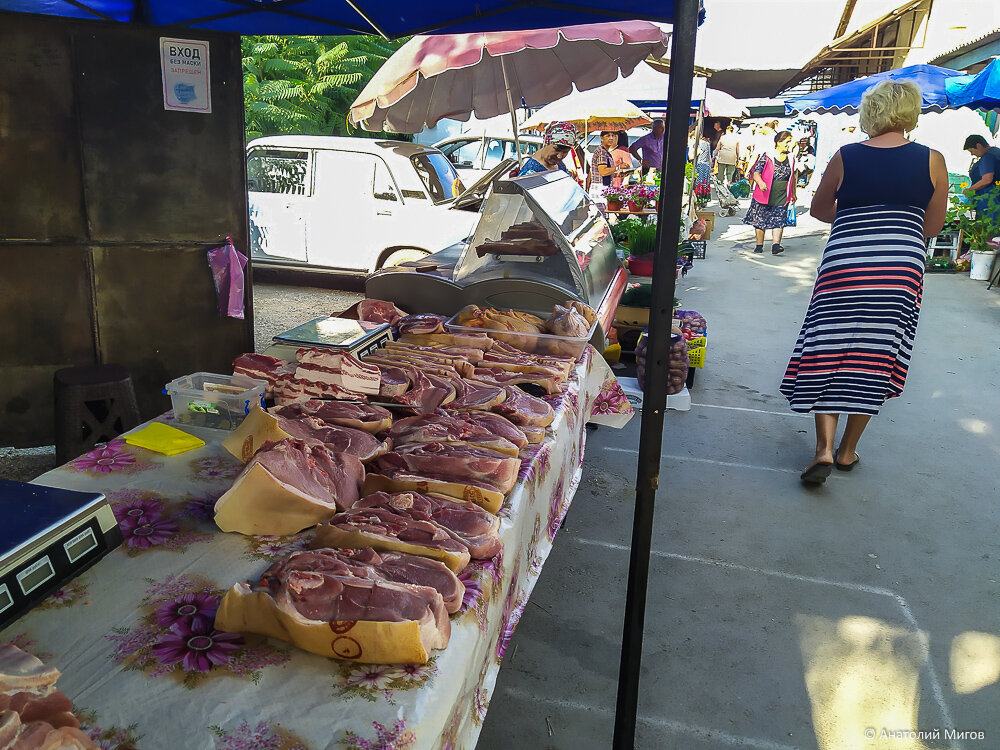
457,75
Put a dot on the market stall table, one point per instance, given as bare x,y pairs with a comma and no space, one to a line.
133,636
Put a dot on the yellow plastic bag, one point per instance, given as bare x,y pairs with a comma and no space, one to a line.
164,439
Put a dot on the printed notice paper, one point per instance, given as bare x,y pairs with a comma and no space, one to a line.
186,79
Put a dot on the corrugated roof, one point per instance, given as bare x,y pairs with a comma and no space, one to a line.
990,36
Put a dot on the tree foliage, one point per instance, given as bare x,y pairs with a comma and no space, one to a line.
306,84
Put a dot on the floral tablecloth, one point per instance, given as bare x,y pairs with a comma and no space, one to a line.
134,637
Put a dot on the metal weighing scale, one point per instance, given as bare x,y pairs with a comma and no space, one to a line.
356,337
48,536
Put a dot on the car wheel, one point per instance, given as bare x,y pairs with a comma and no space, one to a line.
403,255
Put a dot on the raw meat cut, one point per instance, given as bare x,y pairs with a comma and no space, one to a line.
424,396
289,486
452,428
20,670
499,377
367,563
385,358
472,395
372,419
319,365
289,390
262,367
477,529
499,426
395,477
393,382
260,427
421,323
463,340
462,462
525,410
378,311
341,616
386,528
473,356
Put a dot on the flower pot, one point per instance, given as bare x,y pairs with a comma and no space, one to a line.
633,206
982,262
641,266
614,205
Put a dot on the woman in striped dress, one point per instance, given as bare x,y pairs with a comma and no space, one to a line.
883,196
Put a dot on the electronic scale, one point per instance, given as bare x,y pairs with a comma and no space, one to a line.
48,536
355,337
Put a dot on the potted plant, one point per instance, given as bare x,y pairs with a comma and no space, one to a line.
616,197
641,196
702,194
979,228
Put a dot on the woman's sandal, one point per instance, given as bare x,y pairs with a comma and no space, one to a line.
816,474
759,249
846,467
777,249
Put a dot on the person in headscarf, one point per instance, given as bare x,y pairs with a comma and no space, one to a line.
560,138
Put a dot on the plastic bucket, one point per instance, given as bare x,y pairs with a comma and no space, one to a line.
981,265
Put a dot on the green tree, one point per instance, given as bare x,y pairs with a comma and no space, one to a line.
306,84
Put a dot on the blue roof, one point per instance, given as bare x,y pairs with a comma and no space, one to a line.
392,18
981,91
847,96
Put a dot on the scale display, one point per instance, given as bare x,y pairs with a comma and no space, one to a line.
49,536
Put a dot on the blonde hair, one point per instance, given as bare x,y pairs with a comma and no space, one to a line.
890,106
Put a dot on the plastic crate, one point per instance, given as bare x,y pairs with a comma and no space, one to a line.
696,351
206,399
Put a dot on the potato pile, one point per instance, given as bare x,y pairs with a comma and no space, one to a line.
677,367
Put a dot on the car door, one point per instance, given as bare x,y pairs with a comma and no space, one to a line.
279,185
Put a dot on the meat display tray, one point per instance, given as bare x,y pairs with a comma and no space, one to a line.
49,536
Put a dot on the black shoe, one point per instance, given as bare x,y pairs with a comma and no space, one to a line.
816,474
776,249
759,249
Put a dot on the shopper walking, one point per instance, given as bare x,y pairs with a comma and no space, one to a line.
883,196
703,164
727,156
774,190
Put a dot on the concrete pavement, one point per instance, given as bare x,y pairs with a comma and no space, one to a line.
781,617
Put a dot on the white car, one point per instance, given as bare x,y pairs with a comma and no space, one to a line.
473,156
350,205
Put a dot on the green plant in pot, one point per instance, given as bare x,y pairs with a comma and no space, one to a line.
615,196
982,225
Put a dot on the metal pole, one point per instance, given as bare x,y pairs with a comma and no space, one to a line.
513,113
685,28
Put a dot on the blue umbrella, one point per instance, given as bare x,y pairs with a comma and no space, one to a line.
390,18
847,96
981,91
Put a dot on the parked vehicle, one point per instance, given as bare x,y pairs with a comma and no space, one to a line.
350,205
473,156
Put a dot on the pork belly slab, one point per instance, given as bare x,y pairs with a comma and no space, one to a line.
460,428
263,367
461,462
524,409
289,486
365,562
323,606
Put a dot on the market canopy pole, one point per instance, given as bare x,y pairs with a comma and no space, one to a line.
668,229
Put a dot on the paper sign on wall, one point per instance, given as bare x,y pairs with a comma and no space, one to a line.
186,79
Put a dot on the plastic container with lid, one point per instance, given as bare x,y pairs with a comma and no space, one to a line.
206,399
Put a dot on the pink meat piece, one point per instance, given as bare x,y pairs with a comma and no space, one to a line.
331,598
473,356
395,469
369,564
499,426
527,362
473,395
359,416
394,381
338,439
422,323
477,529
20,670
523,409
379,311
263,367
289,390
423,395
32,736
10,725
388,523
461,462
454,428
313,470
502,347
321,365
68,738
35,707
494,376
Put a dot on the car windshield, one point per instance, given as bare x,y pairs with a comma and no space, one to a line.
438,175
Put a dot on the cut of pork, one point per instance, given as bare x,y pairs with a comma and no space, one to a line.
525,410
263,367
476,528
289,486
379,311
395,477
386,528
394,381
498,377
421,323
473,356
424,396
459,463
337,368
290,390
458,428
371,419
463,340
365,562
20,670
472,395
